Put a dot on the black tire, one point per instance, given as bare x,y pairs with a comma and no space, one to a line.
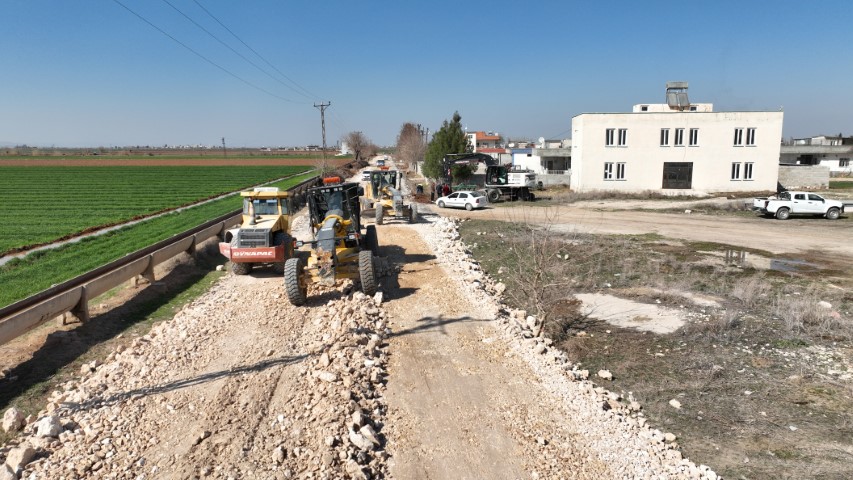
833,214
783,213
440,204
494,195
469,207
380,213
365,271
294,281
371,239
241,268
282,238
531,197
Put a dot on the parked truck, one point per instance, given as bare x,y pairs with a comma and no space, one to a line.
786,204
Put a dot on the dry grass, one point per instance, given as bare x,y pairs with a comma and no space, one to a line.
743,372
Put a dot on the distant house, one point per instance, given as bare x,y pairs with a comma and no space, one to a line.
833,152
676,147
487,142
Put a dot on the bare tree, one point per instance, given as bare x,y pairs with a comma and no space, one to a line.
358,143
410,145
370,150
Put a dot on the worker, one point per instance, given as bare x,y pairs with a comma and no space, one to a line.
446,190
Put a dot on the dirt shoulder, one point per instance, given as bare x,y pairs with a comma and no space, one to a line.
775,236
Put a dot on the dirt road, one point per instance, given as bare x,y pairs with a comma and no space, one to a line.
458,407
799,235
241,384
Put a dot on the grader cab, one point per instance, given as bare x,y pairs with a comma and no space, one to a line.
339,249
383,193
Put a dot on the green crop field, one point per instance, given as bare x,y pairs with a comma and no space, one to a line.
42,204
39,270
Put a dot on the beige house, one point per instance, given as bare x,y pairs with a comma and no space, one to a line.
677,148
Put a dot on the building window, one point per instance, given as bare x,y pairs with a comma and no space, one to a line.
644,108
608,137
693,109
750,137
608,170
735,171
664,137
679,137
738,142
843,162
747,171
623,137
694,137
620,171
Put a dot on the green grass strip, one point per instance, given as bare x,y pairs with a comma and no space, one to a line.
21,278
42,204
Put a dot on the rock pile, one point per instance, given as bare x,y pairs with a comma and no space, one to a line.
226,389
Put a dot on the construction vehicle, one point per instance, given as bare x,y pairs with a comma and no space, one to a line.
264,235
501,182
383,193
339,249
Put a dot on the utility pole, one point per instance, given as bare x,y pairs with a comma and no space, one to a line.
224,151
322,106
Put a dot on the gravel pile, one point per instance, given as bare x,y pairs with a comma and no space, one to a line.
239,384
613,427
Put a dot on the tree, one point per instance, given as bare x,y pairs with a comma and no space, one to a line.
358,143
461,172
410,145
448,139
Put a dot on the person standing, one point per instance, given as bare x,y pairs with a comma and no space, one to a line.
446,190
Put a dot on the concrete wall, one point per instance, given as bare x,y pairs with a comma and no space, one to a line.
793,177
565,179
528,161
834,164
644,157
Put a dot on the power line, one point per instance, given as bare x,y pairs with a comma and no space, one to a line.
202,56
309,94
229,47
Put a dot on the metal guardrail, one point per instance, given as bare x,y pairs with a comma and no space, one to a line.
74,295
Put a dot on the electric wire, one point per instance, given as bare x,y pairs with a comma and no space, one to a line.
307,94
256,87
229,47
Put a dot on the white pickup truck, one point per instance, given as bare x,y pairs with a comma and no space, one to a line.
786,204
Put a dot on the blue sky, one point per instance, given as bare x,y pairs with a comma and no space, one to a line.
90,73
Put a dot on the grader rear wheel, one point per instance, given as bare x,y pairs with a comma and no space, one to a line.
380,213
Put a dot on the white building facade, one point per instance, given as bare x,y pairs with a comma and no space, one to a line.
690,150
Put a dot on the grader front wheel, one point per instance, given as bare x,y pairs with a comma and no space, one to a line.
294,281
365,271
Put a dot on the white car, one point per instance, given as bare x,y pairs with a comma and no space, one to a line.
466,199
365,176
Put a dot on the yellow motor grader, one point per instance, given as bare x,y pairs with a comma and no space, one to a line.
339,249
383,193
264,235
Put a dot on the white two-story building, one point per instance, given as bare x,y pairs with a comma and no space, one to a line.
676,147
